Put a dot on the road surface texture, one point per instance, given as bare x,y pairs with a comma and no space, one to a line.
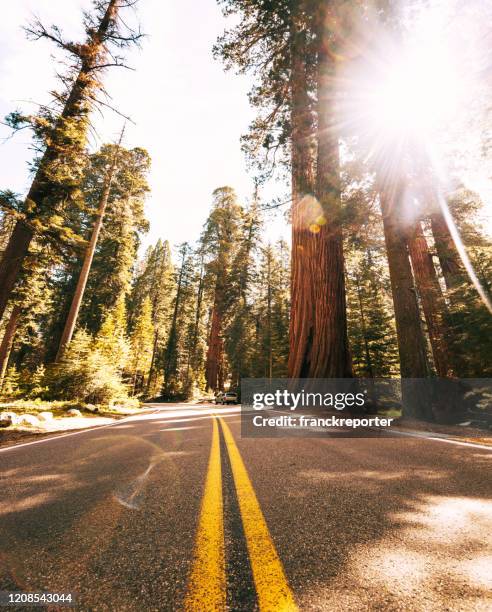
173,510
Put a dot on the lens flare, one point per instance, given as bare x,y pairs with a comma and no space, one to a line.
412,101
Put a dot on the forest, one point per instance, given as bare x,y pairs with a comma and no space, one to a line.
389,269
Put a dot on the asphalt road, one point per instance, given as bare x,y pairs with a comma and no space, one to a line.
174,510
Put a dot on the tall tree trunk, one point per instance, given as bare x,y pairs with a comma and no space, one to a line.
369,368
152,363
449,259
269,315
301,332
7,341
77,105
329,355
214,368
170,356
411,341
318,325
196,325
86,266
433,303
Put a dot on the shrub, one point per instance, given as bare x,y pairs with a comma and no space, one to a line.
85,374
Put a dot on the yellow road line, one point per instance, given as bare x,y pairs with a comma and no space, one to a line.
207,584
272,588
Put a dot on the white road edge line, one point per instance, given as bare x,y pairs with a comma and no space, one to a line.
415,434
410,434
80,431
72,433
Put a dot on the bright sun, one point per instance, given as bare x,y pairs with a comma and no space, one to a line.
408,100
407,86
418,92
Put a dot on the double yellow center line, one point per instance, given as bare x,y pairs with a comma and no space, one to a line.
207,582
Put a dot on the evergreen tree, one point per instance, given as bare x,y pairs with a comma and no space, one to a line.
176,356
111,340
85,374
141,345
371,324
114,256
271,312
219,244
60,131
155,280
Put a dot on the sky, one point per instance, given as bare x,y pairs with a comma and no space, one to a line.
189,113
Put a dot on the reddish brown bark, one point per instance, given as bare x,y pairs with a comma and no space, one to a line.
214,373
411,340
449,259
329,354
7,341
433,303
318,327
76,105
304,211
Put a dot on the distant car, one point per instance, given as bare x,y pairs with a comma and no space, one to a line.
226,398
229,398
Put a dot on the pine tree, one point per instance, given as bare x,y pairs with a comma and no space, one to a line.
61,135
89,254
238,329
84,374
219,242
469,319
177,351
11,384
141,344
271,313
111,340
294,93
112,265
155,280
372,329
124,224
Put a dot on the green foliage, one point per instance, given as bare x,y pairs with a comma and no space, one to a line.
372,330
468,318
141,346
35,384
111,340
178,353
85,374
124,223
11,387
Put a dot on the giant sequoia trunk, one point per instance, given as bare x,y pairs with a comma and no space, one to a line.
76,107
214,371
449,259
196,325
411,341
329,355
433,303
318,325
302,321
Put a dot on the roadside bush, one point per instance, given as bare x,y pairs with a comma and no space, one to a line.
11,387
85,374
